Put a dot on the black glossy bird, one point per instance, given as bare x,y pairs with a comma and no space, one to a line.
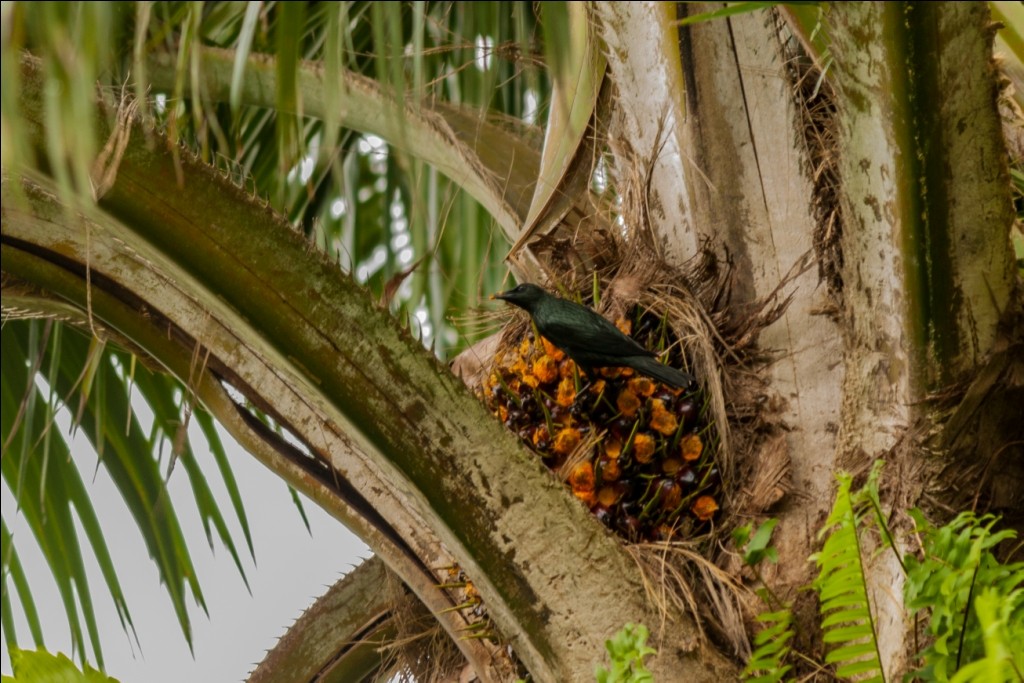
590,340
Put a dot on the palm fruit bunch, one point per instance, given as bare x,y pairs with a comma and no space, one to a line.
637,452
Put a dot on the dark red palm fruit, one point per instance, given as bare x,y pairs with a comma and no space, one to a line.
604,515
630,527
686,477
622,427
686,409
666,397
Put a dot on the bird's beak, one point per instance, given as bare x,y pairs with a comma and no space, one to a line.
499,295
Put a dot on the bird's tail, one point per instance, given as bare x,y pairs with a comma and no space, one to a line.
663,373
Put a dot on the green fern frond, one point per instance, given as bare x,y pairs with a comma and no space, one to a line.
975,604
627,650
1001,628
846,613
771,648
40,665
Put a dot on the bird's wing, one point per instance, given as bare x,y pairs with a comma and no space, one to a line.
574,327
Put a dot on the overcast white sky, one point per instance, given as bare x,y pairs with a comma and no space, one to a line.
292,569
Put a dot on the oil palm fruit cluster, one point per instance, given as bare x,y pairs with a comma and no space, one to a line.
633,450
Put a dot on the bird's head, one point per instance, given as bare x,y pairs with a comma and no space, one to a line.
525,295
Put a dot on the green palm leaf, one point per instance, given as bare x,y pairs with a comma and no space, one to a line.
95,383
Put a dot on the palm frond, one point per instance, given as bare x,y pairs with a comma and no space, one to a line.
48,491
96,385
